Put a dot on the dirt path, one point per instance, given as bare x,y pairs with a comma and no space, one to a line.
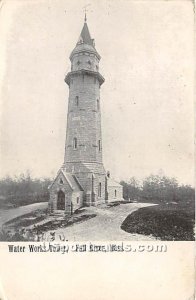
8,214
105,226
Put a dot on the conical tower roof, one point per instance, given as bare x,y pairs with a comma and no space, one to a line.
85,42
85,36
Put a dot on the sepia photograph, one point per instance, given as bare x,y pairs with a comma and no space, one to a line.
97,121
97,186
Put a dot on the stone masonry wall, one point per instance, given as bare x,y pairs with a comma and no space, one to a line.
111,193
84,120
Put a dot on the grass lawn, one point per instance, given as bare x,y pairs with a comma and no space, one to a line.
168,222
15,229
27,219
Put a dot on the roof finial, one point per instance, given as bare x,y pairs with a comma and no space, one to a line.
85,10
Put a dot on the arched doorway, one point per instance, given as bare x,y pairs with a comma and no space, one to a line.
60,201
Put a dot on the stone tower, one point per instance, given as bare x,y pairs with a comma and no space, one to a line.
83,147
83,168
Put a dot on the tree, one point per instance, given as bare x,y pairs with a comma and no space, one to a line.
23,189
160,188
131,190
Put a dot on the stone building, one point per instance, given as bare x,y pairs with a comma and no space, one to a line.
82,180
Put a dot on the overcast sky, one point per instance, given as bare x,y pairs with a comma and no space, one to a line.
146,100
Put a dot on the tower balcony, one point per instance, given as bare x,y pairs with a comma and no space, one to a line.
97,75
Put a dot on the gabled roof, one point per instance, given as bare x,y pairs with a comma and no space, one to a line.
112,182
71,180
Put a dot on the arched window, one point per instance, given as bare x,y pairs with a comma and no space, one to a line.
89,64
75,143
99,190
99,145
76,100
115,193
98,104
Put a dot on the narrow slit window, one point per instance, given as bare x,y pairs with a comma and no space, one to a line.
99,145
75,143
98,104
76,100
115,193
99,190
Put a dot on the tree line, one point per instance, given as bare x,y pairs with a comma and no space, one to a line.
157,189
24,190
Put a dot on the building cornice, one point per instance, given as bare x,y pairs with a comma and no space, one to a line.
84,48
71,74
